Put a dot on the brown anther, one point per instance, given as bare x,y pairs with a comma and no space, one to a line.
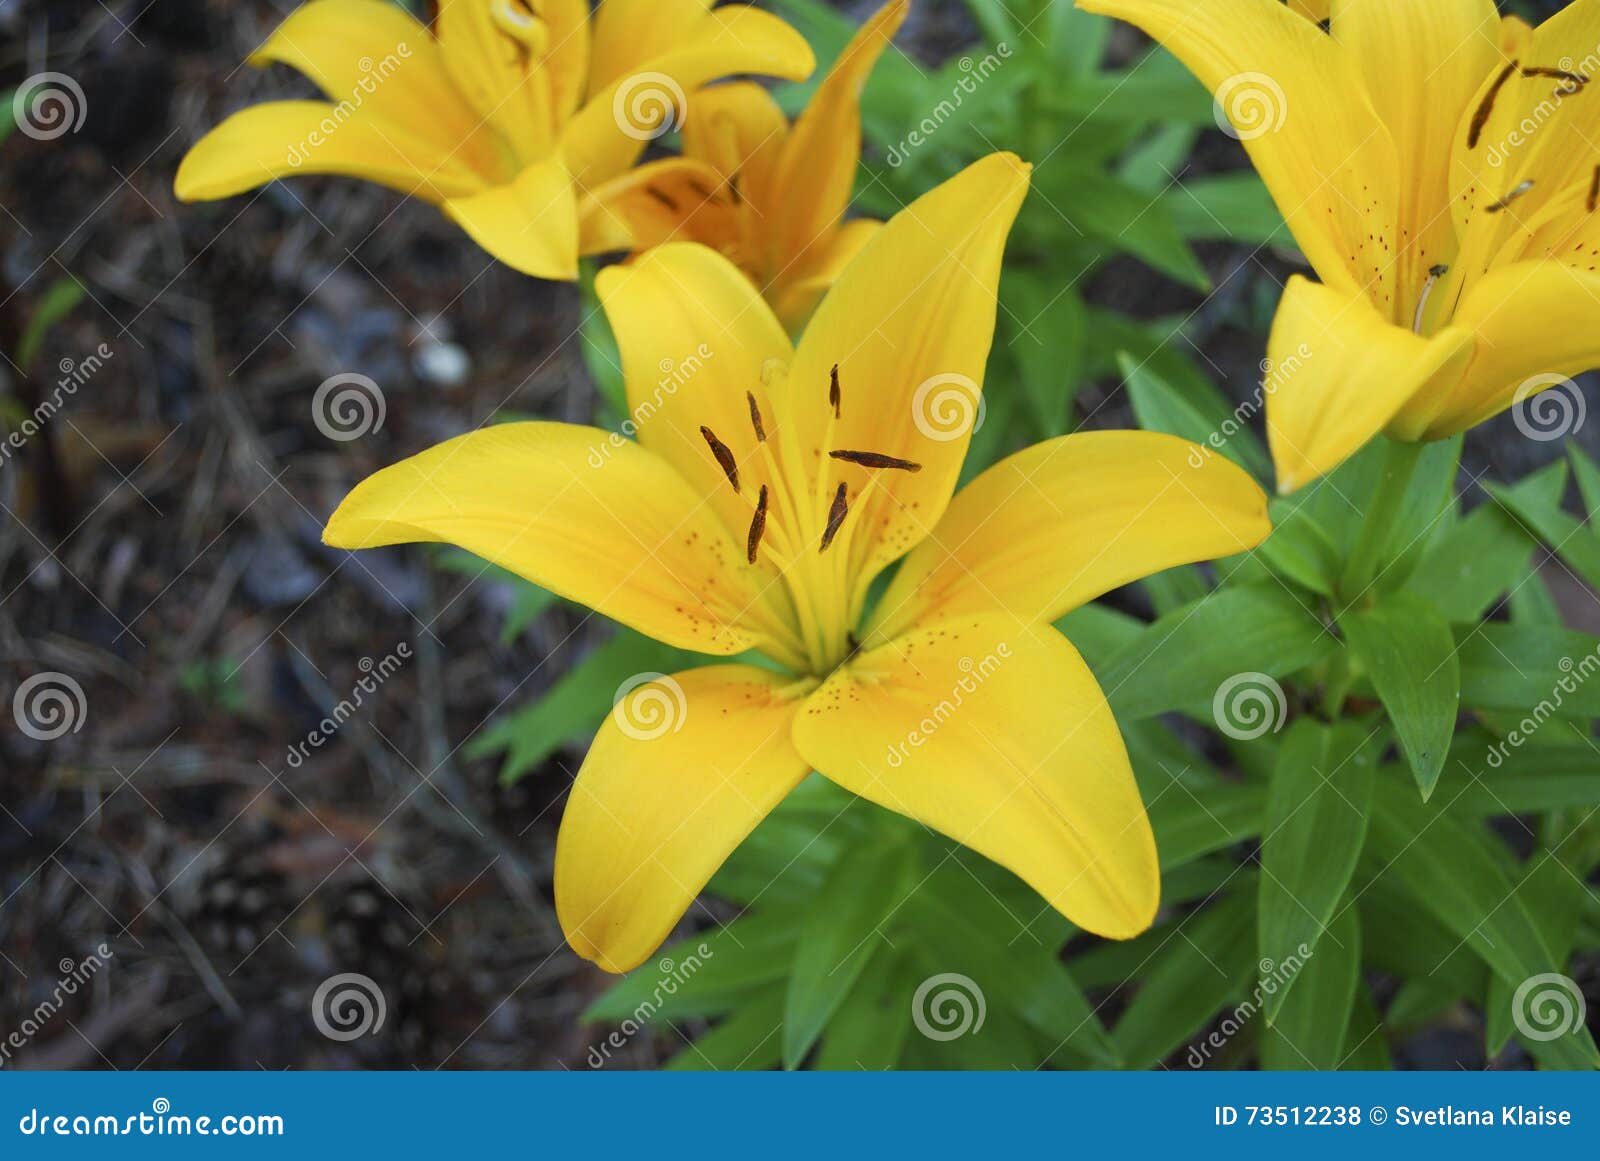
1486,106
725,460
1510,197
836,514
755,418
1594,189
1571,83
876,460
833,390
758,525
700,189
663,197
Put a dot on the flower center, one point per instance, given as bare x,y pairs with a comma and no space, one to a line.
801,533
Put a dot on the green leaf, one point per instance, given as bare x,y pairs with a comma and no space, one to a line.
1047,322
1115,213
1472,564
55,304
869,1030
1553,897
574,707
747,1040
1200,967
843,927
1366,1049
1453,872
1527,669
1190,823
1407,649
1316,823
1313,1018
1021,973
706,974
1203,417
1227,207
1185,657
1300,548
1524,779
599,345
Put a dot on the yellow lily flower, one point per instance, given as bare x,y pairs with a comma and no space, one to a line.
1436,165
503,115
770,197
770,485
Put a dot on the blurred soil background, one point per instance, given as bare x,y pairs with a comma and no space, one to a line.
160,545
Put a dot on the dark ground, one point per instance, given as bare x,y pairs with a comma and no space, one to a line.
161,547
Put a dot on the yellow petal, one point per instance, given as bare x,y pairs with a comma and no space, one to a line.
500,77
682,770
818,170
995,733
1055,526
285,138
1428,61
588,515
636,104
567,58
694,338
1338,373
376,57
629,32
795,292
738,129
1535,324
674,199
909,325
530,224
1299,103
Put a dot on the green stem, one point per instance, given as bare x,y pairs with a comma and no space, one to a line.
1399,463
